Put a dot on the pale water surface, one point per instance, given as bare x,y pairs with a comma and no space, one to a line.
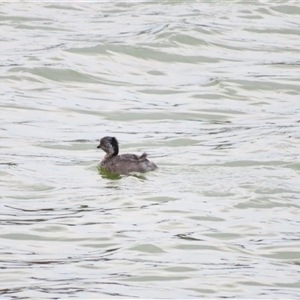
210,90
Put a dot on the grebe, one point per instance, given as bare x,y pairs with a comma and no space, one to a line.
124,163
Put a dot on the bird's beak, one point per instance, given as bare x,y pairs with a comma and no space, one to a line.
98,146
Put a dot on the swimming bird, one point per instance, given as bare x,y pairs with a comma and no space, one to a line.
124,163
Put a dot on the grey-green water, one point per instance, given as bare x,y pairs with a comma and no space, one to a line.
210,90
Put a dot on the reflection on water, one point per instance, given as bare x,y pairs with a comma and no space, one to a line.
107,175
210,90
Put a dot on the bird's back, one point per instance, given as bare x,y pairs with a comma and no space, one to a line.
126,163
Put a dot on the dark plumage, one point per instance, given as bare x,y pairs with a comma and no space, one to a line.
124,163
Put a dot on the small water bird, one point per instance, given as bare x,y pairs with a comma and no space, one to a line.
123,163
